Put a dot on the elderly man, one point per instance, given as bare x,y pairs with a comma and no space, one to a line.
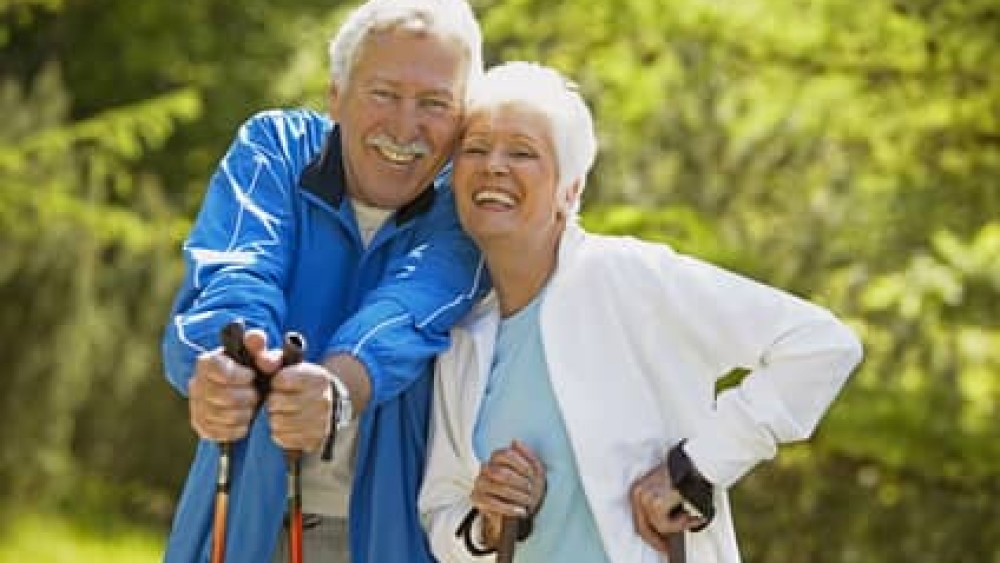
340,227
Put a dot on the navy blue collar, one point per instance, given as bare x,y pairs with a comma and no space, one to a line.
325,178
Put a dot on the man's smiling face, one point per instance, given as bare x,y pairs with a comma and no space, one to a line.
399,114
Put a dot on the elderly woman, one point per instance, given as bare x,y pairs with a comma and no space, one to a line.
581,394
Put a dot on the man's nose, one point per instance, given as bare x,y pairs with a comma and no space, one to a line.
406,122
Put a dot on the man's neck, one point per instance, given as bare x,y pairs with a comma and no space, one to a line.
370,219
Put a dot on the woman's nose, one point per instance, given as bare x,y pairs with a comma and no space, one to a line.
497,164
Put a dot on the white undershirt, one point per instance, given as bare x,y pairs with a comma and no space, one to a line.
370,219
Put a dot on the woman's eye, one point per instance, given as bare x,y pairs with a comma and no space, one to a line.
436,105
473,149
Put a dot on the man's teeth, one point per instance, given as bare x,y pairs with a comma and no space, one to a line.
489,196
397,156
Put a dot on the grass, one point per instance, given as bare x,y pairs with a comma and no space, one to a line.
42,538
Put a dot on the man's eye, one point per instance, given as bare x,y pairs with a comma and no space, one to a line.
473,150
522,154
380,95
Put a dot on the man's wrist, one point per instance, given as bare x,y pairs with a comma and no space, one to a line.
343,406
340,414
354,375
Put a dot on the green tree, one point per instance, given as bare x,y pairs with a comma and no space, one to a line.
82,230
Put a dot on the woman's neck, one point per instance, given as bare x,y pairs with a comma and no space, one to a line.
519,272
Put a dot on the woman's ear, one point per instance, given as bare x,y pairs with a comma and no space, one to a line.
569,196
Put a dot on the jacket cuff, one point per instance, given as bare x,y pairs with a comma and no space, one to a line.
694,488
730,443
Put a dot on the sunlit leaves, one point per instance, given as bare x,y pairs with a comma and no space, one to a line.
978,259
74,174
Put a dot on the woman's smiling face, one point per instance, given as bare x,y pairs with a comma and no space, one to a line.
505,175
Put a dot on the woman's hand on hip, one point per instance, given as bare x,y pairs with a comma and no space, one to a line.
657,508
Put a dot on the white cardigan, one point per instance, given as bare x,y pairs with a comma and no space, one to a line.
635,338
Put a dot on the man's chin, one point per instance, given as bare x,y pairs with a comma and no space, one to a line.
390,200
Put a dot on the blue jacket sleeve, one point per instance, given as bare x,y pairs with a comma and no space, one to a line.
237,253
423,294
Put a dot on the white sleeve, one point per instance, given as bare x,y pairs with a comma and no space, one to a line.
799,356
450,473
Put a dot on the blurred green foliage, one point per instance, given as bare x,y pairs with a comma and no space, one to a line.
847,151
57,538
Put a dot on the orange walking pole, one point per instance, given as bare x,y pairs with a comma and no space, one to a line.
295,549
293,349
232,344
221,505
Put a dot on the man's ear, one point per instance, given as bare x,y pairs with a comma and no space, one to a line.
333,102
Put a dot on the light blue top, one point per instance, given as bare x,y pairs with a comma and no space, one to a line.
519,403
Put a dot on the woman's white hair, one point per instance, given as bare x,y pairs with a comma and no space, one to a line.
445,18
545,90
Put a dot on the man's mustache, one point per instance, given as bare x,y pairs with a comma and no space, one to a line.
383,141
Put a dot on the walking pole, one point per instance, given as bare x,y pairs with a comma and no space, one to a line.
508,539
221,505
675,548
293,349
232,343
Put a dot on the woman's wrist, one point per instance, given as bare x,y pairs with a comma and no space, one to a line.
489,531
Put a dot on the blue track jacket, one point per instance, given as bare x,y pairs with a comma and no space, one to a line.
276,244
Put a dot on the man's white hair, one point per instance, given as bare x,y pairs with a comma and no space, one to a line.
545,90
452,19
